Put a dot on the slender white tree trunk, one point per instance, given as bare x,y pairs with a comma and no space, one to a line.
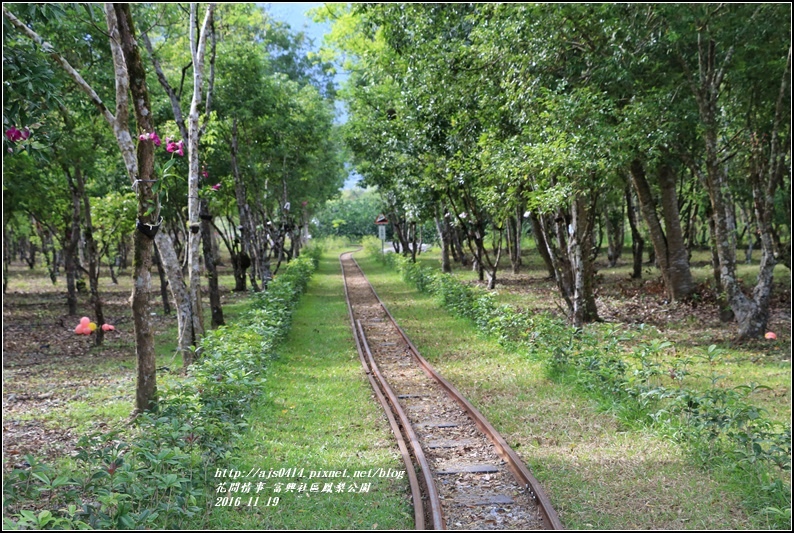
194,238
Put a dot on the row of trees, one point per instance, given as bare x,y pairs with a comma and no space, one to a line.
222,124
571,117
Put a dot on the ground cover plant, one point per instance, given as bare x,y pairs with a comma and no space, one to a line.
643,381
157,472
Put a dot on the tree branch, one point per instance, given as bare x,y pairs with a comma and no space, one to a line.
48,49
175,104
120,125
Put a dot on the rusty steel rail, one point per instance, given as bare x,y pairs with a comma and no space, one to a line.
413,481
436,515
517,467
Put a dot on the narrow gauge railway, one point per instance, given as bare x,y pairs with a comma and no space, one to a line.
462,473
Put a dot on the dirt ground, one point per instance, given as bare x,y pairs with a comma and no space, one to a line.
623,300
58,386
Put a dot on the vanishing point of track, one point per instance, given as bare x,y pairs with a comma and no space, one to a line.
462,473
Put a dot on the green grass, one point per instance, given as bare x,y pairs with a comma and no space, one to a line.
319,414
599,473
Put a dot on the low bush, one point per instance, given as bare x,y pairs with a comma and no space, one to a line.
161,474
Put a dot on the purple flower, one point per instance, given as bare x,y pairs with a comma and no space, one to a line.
150,137
14,134
172,147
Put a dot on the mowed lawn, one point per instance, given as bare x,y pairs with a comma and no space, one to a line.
318,420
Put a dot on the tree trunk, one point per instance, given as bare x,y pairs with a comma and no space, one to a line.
163,280
752,314
122,33
27,252
197,49
581,259
556,226
240,261
246,227
443,237
173,270
677,254
209,261
412,232
637,242
541,244
92,257
457,246
491,272
48,251
572,257
7,253
669,250
216,249
401,232
514,242
614,222
123,251
70,251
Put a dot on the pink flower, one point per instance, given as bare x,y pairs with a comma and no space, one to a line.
150,137
14,134
172,147
216,187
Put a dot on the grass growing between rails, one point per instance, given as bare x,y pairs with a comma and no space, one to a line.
600,471
156,474
317,416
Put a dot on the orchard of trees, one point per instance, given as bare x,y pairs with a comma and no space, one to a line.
153,134
569,121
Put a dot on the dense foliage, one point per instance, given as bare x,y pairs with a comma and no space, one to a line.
572,119
246,153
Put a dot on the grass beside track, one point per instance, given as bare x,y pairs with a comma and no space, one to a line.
318,415
598,473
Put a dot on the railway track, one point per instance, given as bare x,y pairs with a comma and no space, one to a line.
462,473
